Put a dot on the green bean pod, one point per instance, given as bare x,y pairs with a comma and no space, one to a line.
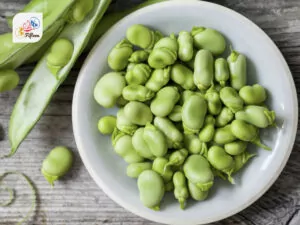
253,95
231,99
196,192
209,39
164,101
224,135
107,124
193,114
183,76
204,70
197,170
214,103
181,192
238,70
241,159
236,147
175,115
124,124
247,132
139,74
139,56
152,189
136,92
257,115
119,55
155,140
158,79
193,144
174,136
109,88
9,80
221,71
135,169
138,113
159,166
185,44
140,145
225,117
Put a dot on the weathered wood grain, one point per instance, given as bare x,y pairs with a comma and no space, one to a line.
77,200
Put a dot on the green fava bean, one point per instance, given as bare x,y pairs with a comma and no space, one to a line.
155,140
238,70
247,132
135,169
193,144
60,54
220,160
130,66
141,36
191,63
225,117
253,95
57,164
231,99
124,148
139,74
185,43
136,92
119,55
109,88
123,124
204,70
170,131
107,124
175,115
140,144
236,147
159,166
139,56
209,39
197,170
241,159
9,80
221,71
193,114
224,135
187,94
152,189
121,102
196,193
257,115
164,101
207,132
158,79
81,9
183,76
138,113
177,158
214,103
181,192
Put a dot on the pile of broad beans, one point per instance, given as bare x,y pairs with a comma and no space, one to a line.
186,115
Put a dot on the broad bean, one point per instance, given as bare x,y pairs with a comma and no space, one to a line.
196,192
130,66
183,76
225,117
119,55
139,74
109,88
140,144
141,36
121,102
107,124
231,99
197,170
181,192
136,92
214,103
193,114
209,39
204,70
257,115
125,125
9,80
207,132
187,94
241,159
152,189
164,101
159,166
80,10
177,158
139,56
193,144
135,169
253,95
175,115
191,63
236,147
138,113
224,135
185,43
238,70
158,79
221,71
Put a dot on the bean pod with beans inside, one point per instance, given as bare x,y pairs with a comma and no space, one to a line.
188,116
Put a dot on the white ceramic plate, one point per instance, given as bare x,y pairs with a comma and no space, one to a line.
266,66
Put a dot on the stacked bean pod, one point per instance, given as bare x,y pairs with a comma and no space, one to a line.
186,114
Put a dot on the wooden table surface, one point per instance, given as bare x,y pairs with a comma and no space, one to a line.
77,200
